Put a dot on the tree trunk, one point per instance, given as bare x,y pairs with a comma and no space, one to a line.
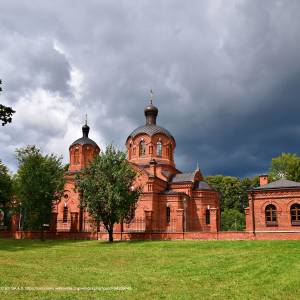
111,235
42,234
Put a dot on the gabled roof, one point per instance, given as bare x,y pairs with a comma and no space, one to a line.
279,184
202,185
84,141
183,177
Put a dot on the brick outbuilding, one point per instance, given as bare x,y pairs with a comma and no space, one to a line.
274,207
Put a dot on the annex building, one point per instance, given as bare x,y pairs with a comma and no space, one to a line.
274,207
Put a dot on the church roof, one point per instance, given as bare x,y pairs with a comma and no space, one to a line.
202,185
190,177
150,129
183,177
279,184
84,141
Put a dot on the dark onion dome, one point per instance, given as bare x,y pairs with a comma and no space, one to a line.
150,127
85,140
151,113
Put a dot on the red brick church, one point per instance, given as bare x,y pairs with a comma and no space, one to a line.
171,201
176,202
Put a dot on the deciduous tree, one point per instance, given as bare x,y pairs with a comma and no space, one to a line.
287,166
5,192
40,183
6,114
232,219
5,111
234,198
106,189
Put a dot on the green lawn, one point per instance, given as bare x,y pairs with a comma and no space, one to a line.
153,270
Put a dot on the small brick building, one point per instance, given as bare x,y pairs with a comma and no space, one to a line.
274,207
171,201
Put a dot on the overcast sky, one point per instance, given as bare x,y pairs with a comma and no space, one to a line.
225,74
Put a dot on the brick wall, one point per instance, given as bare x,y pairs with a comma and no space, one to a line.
225,235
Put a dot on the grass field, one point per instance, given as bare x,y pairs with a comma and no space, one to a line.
152,270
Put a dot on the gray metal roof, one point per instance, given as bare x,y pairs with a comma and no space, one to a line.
84,141
202,185
183,177
166,174
281,183
150,129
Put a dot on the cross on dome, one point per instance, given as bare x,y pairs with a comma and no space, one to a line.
151,96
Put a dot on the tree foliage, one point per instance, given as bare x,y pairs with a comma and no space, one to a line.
106,189
6,114
287,166
5,186
39,182
234,198
233,193
232,219
6,194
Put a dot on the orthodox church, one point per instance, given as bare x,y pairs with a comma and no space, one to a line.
171,201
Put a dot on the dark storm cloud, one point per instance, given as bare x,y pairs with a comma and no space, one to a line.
225,76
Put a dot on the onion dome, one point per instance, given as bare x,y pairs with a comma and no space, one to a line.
151,113
85,140
150,128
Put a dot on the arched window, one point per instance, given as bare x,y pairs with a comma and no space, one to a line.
87,155
76,156
271,215
158,148
65,214
171,151
168,214
142,148
207,217
295,214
